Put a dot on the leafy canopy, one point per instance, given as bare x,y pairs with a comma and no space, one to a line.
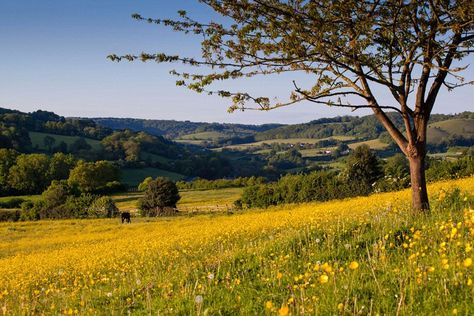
347,46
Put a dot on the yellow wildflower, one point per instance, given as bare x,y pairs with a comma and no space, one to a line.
269,305
323,279
467,262
353,265
284,311
340,307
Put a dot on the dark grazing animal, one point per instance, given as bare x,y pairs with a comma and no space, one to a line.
126,217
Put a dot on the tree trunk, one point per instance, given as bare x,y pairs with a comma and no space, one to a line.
420,200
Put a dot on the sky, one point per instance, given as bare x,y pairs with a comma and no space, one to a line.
53,57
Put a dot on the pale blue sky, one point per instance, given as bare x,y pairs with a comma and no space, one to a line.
53,57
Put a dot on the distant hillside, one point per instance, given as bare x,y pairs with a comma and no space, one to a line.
48,133
215,135
181,149
176,129
464,127
366,127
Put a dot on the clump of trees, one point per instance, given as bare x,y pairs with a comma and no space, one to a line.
360,175
161,196
31,173
364,173
61,200
446,169
23,174
94,177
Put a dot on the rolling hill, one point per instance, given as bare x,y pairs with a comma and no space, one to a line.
214,135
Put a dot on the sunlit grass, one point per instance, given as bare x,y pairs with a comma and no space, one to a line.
191,200
365,255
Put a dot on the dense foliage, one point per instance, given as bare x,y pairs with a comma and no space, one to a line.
31,173
86,139
363,174
61,200
132,146
161,196
99,176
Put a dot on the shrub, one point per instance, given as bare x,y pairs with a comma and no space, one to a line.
30,211
238,204
9,215
78,206
161,193
144,185
102,207
56,194
362,170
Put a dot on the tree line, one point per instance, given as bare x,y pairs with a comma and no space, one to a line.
364,173
26,174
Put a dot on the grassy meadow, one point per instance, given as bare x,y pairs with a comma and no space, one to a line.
37,140
191,200
289,141
359,256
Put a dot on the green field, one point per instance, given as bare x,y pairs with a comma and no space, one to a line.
134,177
191,200
200,138
37,140
438,131
315,152
204,136
373,144
154,158
456,126
290,141
208,200
24,197
189,142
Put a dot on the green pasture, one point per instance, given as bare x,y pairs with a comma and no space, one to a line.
456,126
290,141
24,197
376,144
37,140
204,136
134,177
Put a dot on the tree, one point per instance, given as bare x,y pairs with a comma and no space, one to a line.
348,48
144,184
93,176
7,160
30,174
56,194
79,144
161,193
48,142
363,170
103,206
60,166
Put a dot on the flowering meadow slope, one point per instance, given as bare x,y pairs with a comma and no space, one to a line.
364,255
